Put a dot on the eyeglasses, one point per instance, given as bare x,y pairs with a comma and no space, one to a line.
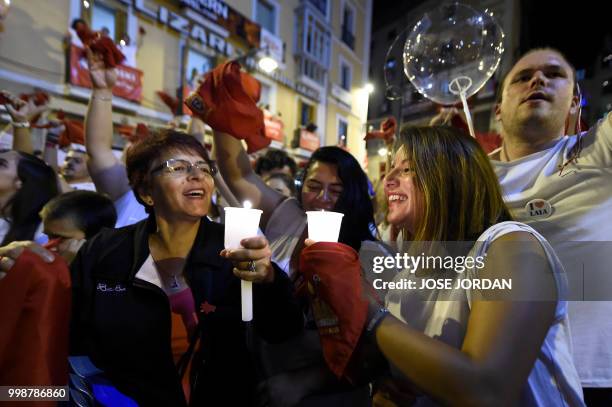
178,167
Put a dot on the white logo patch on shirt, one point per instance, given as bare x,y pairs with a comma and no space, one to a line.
538,209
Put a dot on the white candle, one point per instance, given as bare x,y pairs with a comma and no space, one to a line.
324,226
241,223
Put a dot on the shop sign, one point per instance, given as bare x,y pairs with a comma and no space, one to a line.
309,140
225,16
273,126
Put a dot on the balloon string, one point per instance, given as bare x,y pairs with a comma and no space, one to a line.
466,110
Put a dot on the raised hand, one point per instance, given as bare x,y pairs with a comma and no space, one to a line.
20,111
101,77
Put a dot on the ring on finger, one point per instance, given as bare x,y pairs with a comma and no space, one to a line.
252,266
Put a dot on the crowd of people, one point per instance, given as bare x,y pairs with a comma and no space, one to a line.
155,295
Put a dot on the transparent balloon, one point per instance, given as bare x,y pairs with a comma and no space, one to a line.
452,51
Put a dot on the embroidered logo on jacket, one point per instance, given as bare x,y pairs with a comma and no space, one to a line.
111,288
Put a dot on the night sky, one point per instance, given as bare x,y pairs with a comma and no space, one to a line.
576,28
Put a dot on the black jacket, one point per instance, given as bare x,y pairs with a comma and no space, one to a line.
124,325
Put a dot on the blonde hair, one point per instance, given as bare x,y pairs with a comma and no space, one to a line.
461,193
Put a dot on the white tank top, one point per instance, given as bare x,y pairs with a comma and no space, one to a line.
553,381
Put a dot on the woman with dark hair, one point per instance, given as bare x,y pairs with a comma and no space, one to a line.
157,304
27,183
333,181
462,343
353,199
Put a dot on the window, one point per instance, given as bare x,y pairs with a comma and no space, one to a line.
345,76
348,25
265,15
342,132
390,69
265,95
195,68
306,113
103,19
312,46
111,20
320,5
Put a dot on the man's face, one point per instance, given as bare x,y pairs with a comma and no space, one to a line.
284,170
75,166
537,94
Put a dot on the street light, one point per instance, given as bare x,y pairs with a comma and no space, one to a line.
266,63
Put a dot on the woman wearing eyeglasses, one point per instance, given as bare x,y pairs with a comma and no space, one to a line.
157,304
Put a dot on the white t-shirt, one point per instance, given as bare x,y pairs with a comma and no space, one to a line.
575,206
553,381
129,210
83,186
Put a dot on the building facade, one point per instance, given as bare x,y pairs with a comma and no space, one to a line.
316,97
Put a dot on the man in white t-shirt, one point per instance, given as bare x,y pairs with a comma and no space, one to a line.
74,169
561,185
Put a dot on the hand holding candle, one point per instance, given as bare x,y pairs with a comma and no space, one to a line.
251,255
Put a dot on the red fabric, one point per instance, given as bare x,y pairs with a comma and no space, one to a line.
458,122
488,141
35,302
73,133
338,301
100,44
387,130
227,101
169,101
134,134
39,98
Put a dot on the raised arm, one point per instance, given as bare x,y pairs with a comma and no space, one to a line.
197,129
502,340
236,170
106,171
21,113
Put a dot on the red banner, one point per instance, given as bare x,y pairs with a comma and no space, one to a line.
129,80
273,126
309,140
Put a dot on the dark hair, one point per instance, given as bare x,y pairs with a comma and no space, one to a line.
286,179
38,186
354,201
500,89
275,159
141,156
90,211
76,21
461,193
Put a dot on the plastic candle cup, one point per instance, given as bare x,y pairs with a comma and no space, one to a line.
324,226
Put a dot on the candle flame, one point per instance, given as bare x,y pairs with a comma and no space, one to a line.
247,204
